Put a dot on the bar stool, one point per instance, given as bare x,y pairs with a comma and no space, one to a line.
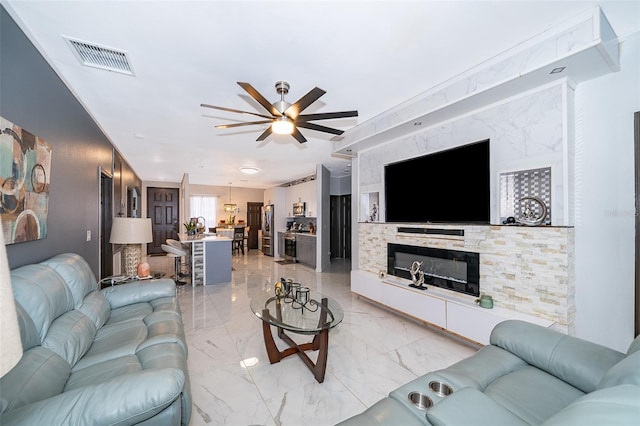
176,254
187,248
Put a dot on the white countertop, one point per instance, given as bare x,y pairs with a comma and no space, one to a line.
202,237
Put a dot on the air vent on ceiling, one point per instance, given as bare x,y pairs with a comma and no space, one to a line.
106,58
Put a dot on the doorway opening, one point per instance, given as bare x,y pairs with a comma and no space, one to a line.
340,226
163,209
106,219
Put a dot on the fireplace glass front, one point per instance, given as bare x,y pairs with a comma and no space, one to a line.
450,269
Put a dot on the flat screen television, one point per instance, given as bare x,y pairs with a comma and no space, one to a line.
446,186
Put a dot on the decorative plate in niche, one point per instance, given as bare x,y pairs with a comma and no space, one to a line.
525,183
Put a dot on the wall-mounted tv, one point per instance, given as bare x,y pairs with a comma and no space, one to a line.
446,186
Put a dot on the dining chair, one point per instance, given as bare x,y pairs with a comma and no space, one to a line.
237,244
245,243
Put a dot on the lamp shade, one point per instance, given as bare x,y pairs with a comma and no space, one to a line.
131,230
10,341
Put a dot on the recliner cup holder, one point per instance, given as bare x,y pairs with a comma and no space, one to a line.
440,389
420,400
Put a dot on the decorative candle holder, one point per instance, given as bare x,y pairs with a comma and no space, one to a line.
303,300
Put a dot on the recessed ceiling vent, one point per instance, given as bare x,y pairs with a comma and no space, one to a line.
105,58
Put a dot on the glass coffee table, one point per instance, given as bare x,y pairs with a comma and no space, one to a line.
301,311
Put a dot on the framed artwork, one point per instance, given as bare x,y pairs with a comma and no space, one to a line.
25,173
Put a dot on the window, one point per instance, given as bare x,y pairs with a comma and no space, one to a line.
204,206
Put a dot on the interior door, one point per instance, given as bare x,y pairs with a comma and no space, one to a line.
636,137
106,219
340,226
254,221
163,209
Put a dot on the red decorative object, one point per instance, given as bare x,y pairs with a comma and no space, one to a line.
144,270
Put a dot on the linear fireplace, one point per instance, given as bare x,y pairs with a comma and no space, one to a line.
450,269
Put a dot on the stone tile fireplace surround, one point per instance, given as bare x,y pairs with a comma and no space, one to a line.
529,270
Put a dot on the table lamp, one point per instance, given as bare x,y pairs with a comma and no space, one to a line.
10,341
132,232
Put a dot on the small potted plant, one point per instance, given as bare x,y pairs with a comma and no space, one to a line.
190,227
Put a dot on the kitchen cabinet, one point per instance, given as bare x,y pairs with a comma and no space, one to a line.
306,249
304,192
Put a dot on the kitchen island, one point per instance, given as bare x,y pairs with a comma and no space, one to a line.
210,258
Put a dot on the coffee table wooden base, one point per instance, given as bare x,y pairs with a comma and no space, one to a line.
319,343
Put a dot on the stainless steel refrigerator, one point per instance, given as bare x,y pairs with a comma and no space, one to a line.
268,233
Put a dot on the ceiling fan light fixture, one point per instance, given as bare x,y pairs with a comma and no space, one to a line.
282,126
249,170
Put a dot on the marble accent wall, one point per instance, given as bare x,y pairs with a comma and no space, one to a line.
524,269
525,132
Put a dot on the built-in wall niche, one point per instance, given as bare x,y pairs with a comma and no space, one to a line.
525,183
369,207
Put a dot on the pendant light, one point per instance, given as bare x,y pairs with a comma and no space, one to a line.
230,207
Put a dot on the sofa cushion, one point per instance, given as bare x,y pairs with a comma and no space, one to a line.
70,336
471,407
135,311
28,332
42,293
103,372
578,362
615,406
114,341
386,412
634,346
40,374
485,366
166,355
76,273
532,394
134,293
626,371
96,308
124,400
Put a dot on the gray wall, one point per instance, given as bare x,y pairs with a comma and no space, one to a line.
33,97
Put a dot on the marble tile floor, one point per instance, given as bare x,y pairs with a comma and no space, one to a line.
372,352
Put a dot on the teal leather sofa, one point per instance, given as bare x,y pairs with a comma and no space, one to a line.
111,357
528,375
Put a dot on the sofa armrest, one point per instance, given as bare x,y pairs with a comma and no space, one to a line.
578,362
126,399
139,291
387,411
469,406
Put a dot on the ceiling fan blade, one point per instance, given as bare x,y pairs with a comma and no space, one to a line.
296,134
248,123
234,110
327,115
294,110
318,127
265,134
259,98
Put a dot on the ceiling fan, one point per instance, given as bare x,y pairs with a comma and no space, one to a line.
285,118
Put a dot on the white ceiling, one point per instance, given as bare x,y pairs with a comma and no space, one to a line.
368,55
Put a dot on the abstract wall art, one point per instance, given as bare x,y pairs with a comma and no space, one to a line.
25,172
